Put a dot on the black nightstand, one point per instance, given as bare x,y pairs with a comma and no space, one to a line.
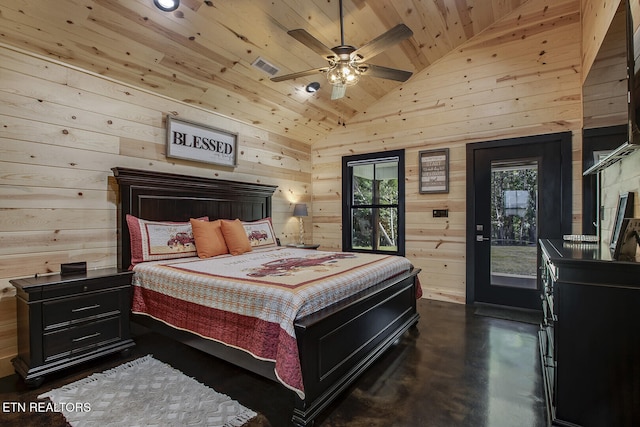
70,319
303,246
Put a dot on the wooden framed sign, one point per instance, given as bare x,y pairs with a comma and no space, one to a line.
434,171
192,141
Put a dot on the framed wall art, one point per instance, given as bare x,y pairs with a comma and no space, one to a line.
193,141
434,171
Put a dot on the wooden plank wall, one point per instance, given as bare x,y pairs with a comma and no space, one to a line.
604,90
61,132
596,16
522,76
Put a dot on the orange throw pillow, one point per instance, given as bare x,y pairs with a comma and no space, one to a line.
235,236
209,239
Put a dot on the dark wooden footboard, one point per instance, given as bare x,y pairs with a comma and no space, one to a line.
337,345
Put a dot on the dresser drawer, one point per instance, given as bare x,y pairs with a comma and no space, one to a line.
79,339
68,311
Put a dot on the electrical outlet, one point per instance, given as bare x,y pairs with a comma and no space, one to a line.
440,213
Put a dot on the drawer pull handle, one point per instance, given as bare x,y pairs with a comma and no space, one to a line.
86,337
89,307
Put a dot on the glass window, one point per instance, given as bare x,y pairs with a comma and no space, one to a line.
514,223
373,196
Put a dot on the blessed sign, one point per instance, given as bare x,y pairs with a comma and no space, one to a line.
193,141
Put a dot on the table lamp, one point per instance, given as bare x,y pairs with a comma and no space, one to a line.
300,210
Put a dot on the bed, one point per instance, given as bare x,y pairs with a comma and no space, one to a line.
333,344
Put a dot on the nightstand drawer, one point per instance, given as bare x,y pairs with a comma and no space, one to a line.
79,339
68,311
79,287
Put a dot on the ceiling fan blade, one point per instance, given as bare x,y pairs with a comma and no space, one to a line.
299,74
387,73
383,41
311,42
338,91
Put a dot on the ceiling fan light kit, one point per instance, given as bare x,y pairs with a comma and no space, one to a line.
343,73
347,63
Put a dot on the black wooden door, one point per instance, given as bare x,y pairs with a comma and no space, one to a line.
519,190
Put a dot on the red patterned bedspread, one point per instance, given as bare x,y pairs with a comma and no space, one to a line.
250,301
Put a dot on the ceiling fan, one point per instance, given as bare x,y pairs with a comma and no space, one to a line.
347,63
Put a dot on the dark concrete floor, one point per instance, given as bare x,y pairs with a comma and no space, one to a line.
455,369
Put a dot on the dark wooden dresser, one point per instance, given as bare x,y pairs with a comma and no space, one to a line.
590,336
70,319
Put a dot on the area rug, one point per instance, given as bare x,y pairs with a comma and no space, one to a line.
145,392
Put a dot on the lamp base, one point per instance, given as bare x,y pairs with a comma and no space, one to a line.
301,231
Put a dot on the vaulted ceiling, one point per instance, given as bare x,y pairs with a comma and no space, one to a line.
202,52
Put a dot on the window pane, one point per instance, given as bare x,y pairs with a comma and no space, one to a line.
363,184
514,207
387,237
361,226
387,181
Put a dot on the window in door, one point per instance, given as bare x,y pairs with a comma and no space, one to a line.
373,202
514,223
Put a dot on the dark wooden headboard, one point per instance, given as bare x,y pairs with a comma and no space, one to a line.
160,196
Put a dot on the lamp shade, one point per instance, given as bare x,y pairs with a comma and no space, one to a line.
300,209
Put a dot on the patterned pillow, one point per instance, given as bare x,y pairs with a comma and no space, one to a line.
260,233
159,240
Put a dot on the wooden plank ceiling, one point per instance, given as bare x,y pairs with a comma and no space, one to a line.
202,52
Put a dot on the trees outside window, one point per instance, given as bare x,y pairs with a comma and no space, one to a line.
514,219
514,205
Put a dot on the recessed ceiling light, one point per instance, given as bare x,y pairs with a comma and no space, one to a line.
313,87
167,5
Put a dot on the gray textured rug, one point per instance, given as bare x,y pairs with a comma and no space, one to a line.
145,392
